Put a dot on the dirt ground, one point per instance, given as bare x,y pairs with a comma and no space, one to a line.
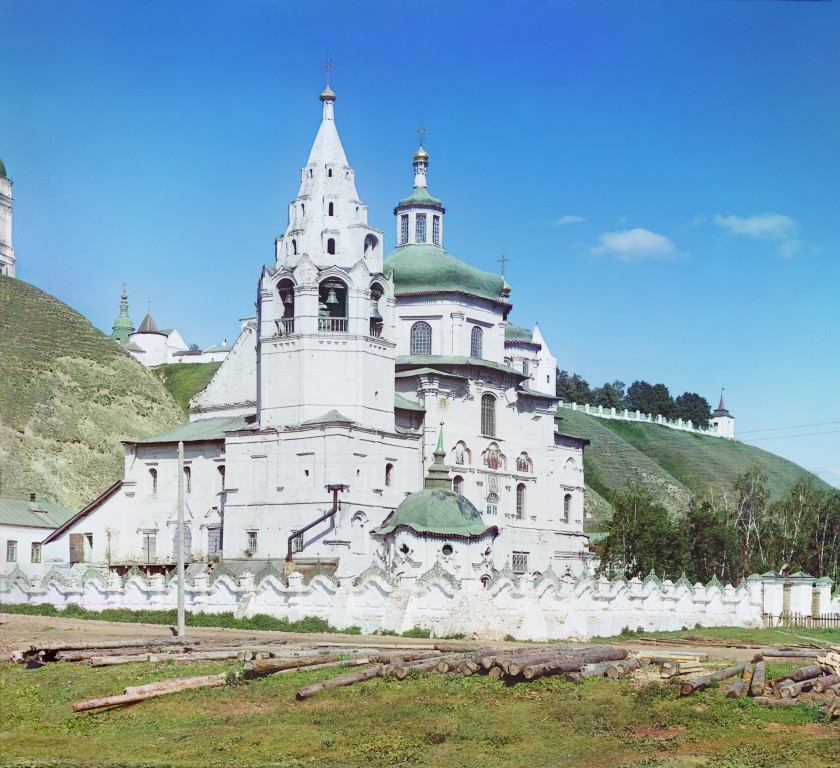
18,632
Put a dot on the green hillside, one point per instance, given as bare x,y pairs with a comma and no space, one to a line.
672,465
68,396
185,380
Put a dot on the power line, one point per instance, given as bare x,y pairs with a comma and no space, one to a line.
796,426
785,437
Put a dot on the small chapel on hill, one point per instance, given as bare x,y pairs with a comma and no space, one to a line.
379,411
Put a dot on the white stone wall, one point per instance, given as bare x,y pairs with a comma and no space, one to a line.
233,389
7,252
549,607
25,537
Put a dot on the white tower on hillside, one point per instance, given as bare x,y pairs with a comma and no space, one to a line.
7,253
325,312
723,420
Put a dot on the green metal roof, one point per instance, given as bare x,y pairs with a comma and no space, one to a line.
523,390
201,430
424,371
130,346
430,269
405,404
518,333
420,196
330,417
219,348
406,361
17,512
438,512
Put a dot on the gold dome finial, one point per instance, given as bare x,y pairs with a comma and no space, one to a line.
327,94
421,156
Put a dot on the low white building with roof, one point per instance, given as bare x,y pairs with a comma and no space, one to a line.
24,526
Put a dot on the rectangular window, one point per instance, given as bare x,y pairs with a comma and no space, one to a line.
252,541
519,562
421,228
404,229
36,553
11,551
149,547
77,547
214,542
297,544
436,230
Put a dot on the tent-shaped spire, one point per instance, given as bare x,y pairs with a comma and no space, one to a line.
438,474
721,409
148,325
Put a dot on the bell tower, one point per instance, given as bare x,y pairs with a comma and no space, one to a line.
7,253
325,312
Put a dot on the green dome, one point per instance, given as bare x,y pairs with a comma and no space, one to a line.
430,269
420,196
438,512
518,333
3,170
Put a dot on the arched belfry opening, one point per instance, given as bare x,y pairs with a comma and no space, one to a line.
371,245
286,292
376,318
332,305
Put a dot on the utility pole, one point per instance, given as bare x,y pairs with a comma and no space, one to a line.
182,630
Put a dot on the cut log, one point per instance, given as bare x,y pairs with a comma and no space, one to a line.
497,673
311,667
780,654
738,689
757,682
793,690
831,709
337,682
261,668
402,671
574,662
621,668
674,669
801,673
50,651
169,682
699,683
769,702
131,698
825,682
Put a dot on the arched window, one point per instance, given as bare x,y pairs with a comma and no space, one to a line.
567,507
488,415
187,480
329,173
153,476
330,207
294,247
421,339
525,368
524,463
302,210
221,477
520,501
492,504
420,228
370,246
463,455
403,229
389,468
475,341
331,246
458,484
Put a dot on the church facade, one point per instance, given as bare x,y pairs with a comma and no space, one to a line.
7,253
325,415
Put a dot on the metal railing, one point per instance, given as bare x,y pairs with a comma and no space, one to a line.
376,330
332,324
285,326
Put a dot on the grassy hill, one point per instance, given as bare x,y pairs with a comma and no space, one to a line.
185,380
672,465
68,396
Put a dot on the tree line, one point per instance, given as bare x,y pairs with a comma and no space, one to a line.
639,396
730,537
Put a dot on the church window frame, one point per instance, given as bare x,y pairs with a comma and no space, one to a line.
524,463
11,551
421,338
476,341
149,547
567,508
35,556
330,209
253,541
526,368
403,229
519,562
420,228
488,415
492,506
187,480
521,493
294,247
221,471
436,230
331,246
187,543
458,485
153,476
389,474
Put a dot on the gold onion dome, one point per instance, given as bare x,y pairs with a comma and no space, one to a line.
327,94
506,289
421,156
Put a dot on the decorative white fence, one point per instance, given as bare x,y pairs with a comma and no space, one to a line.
647,418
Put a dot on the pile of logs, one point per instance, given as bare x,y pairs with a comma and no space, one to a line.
821,677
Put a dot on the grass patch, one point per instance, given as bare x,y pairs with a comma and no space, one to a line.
424,721
227,620
757,636
185,380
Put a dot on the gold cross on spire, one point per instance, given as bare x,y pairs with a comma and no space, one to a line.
422,130
125,287
503,260
327,68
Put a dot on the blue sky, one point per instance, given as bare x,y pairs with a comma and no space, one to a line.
665,176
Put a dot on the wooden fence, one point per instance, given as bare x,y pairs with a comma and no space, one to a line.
803,620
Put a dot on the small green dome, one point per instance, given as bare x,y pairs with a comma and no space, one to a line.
430,269
420,196
3,170
438,512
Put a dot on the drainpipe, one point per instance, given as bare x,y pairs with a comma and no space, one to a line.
335,490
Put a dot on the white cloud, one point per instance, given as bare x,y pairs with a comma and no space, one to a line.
789,249
772,226
637,245
564,220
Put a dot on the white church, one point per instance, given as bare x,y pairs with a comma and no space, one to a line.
379,448
311,443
